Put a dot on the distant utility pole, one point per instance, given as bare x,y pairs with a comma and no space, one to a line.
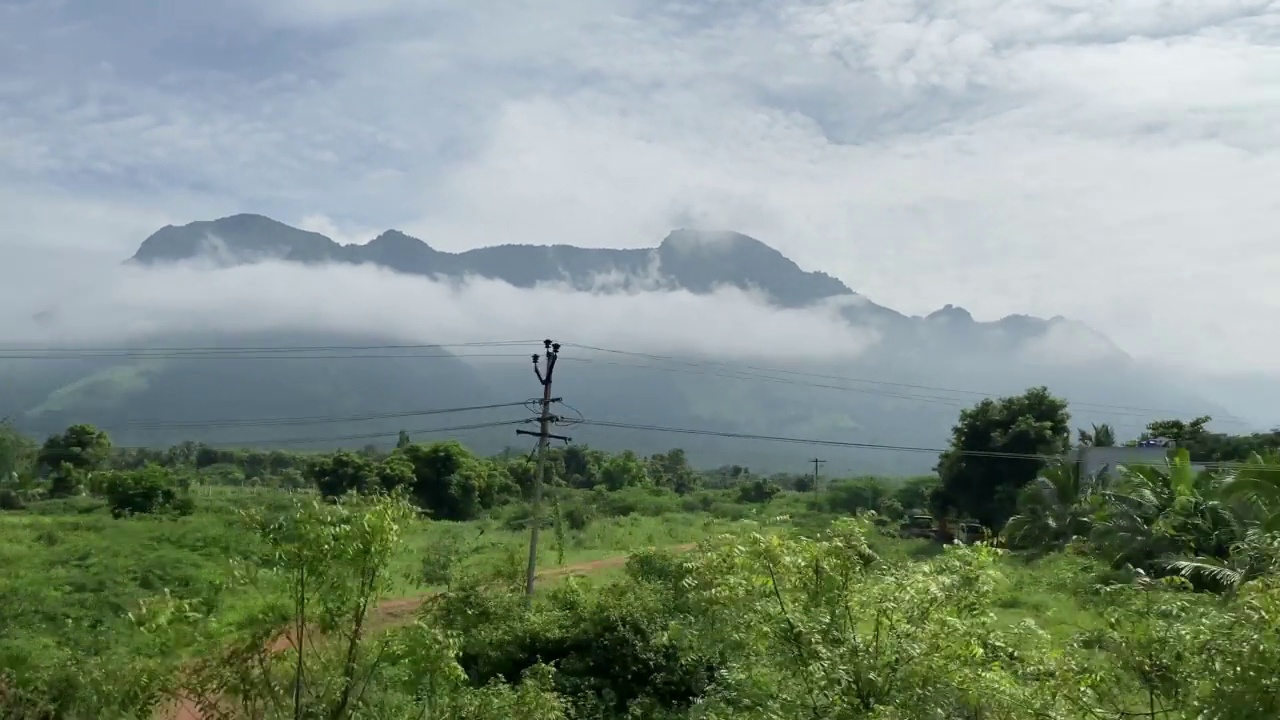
551,352
816,462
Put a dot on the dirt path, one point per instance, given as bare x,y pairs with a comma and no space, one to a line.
400,611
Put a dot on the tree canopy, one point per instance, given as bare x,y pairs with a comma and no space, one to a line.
987,464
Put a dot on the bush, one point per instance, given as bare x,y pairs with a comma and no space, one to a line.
11,500
758,491
612,651
578,517
147,491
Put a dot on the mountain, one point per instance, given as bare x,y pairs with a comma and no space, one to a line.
694,261
906,391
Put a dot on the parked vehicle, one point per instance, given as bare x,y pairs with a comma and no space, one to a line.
917,526
923,527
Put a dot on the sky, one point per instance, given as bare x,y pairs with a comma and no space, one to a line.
1112,162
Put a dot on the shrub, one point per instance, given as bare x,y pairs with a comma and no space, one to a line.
758,491
149,490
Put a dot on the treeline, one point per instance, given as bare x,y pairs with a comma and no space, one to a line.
444,478
998,447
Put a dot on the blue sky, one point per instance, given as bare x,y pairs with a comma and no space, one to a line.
1115,162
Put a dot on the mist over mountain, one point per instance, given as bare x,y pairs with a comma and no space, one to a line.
768,348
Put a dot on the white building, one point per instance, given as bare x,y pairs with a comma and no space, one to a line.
1094,461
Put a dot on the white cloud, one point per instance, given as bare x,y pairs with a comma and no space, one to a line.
133,303
1111,162
1069,343
326,226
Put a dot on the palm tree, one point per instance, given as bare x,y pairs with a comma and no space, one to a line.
1157,517
1257,554
1255,485
1101,436
1053,509
1252,492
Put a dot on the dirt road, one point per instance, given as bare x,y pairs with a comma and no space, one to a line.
400,611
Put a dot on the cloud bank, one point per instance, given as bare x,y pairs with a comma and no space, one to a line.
93,305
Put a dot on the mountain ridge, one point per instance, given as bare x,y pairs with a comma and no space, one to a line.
695,260
685,256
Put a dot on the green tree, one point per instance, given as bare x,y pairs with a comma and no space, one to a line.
581,466
624,470
994,452
1180,431
671,469
67,481
17,453
148,490
854,496
449,482
83,447
333,561
394,472
520,471
913,495
759,490
343,472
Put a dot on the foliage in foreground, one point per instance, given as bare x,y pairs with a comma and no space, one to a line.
764,625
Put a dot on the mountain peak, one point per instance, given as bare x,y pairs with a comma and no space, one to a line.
686,240
396,250
702,260
235,239
396,238
952,313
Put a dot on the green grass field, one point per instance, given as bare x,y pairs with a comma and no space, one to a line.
74,576
69,566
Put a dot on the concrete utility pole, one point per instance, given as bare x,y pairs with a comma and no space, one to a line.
551,352
816,462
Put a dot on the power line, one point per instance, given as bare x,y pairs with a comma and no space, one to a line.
739,375
700,367
379,351
730,366
342,438
262,348
306,420
261,356
951,402
1211,465
860,445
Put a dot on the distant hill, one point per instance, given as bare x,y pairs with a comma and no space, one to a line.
904,398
